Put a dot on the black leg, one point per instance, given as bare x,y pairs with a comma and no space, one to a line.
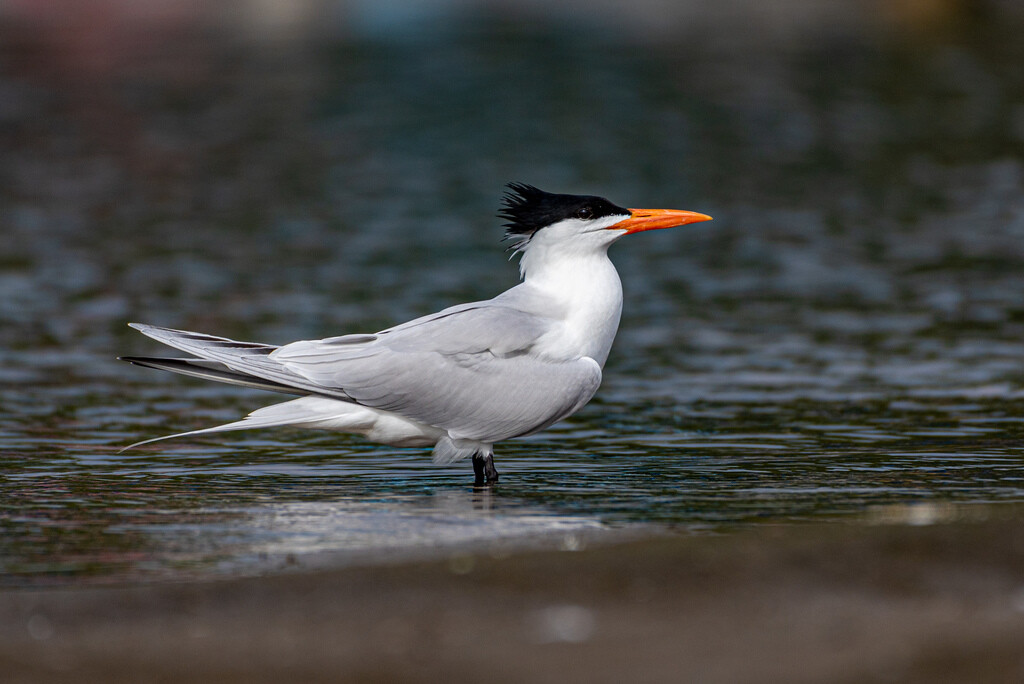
489,470
483,468
478,468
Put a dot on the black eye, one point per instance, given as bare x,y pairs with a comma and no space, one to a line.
585,213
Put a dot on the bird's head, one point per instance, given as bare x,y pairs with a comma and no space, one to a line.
577,222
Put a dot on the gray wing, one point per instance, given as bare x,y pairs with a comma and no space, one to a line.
471,370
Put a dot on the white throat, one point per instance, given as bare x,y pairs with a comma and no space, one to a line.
577,285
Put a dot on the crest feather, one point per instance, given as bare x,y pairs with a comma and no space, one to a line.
521,208
526,209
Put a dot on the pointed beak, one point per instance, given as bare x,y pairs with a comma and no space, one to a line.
656,219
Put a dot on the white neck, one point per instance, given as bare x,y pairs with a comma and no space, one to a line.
577,284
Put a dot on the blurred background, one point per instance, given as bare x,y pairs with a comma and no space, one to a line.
846,337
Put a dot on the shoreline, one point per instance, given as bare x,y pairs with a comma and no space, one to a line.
824,602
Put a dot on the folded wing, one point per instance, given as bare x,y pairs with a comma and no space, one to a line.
472,370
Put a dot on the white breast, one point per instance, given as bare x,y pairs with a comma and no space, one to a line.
581,293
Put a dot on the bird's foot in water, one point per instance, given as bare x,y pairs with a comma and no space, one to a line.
483,468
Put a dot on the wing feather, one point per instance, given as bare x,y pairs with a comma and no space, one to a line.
472,369
468,369
250,358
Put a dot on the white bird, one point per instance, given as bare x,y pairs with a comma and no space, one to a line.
464,378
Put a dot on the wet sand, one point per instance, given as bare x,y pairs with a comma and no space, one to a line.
835,603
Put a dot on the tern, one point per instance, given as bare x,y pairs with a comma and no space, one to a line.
464,378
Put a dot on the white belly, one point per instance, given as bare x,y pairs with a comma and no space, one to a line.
377,426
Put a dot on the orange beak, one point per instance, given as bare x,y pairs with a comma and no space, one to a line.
656,219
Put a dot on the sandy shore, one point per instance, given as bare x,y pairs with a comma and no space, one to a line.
835,603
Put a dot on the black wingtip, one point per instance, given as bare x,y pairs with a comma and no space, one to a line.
213,370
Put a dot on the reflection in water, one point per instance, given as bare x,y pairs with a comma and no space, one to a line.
330,531
447,520
844,340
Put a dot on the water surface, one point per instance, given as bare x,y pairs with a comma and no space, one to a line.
845,338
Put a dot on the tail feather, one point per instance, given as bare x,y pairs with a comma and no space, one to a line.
237,425
304,412
247,364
